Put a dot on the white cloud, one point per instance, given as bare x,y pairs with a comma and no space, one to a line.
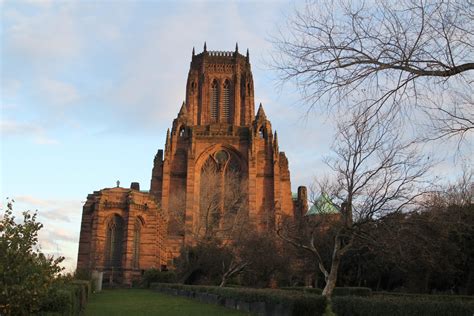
12,128
10,87
61,225
57,92
46,34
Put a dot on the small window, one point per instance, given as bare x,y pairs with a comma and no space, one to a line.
214,101
261,132
226,101
182,132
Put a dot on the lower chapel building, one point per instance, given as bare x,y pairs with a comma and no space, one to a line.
220,162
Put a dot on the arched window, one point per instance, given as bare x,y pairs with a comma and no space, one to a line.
261,132
114,242
182,131
222,194
136,243
226,101
214,101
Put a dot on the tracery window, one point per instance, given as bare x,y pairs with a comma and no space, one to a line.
136,243
226,101
114,241
214,101
222,194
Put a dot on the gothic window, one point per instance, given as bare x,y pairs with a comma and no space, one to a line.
226,101
114,242
214,101
261,132
182,131
136,243
222,194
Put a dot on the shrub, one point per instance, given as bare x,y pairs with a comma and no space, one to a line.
310,290
352,291
27,274
66,298
399,306
425,296
298,303
155,275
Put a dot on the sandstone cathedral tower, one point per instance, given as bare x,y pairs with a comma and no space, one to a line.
219,158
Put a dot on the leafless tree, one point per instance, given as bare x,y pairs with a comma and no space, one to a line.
223,204
376,174
412,57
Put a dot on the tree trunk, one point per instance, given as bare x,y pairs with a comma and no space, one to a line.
332,277
223,281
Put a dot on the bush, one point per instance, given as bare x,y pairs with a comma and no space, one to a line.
157,276
310,290
352,291
68,298
399,306
425,296
298,303
27,274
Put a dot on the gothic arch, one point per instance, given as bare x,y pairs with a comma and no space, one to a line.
114,241
212,150
226,100
214,101
137,234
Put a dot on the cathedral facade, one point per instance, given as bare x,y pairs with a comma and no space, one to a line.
220,159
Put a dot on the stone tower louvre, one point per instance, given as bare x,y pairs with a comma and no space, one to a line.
216,133
218,122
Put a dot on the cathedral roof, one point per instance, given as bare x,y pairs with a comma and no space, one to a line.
323,205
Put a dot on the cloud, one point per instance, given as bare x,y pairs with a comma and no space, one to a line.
49,34
60,218
12,128
10,87
57,92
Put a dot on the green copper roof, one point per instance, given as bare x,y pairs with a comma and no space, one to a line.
323,205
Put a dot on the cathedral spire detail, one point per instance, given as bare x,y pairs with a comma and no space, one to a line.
182,111
260,113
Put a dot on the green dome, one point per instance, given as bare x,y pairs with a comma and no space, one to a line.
323,205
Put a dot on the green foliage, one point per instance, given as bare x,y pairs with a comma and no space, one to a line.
399,306
298,303
352,291
338,291
26,274
66,297
311,290
155,275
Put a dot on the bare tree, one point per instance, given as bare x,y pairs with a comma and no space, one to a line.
222,223
376,174
411,56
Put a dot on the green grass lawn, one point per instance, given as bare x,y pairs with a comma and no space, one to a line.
146,302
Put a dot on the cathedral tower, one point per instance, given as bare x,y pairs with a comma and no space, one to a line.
217,126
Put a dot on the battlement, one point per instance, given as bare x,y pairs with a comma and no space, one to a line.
217,53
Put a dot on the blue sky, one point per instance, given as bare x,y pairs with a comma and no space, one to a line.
88,89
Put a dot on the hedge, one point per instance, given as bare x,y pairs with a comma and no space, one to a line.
292,302
441,297
66,299
310,290
399,306
352,291
157,276
338,291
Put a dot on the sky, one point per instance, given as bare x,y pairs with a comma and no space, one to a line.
89,88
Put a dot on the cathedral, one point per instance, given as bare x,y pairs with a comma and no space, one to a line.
219,158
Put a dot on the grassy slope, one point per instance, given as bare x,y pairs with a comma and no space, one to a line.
146,302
